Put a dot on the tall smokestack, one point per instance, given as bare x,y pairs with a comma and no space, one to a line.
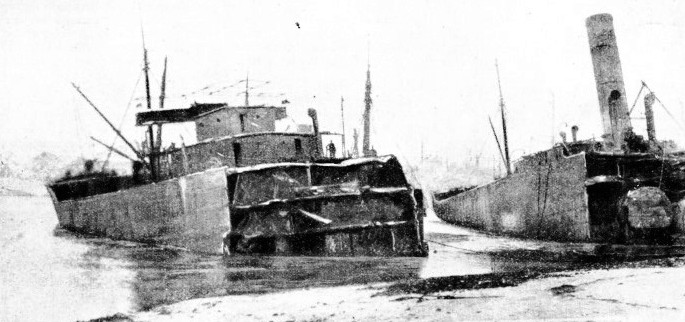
649,115
609,78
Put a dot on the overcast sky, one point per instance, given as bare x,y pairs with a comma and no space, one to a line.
432,67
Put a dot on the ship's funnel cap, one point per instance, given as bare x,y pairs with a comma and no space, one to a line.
600,19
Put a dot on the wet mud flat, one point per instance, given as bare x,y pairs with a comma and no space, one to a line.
630,291
515,261
165,275
52,274
453,266
586,262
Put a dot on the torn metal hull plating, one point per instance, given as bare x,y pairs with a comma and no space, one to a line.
359,207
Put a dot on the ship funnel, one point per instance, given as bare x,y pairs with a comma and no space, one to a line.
574,133
649,114
315,123
608,78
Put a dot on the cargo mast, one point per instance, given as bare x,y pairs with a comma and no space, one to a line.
162,95
504,123
366,141
150,134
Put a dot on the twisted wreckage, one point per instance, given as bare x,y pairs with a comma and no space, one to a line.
622,190
245,188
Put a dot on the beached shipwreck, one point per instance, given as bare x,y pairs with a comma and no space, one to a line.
246,188
624,189
353,207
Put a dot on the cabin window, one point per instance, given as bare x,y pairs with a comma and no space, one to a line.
298,146
242,122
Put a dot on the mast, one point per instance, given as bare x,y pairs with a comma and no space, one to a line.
161,106
163,91
355,147
504,122
151,138
499,147
366,143
247,90
342,117
146,68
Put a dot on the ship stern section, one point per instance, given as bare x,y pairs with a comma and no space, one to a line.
634,198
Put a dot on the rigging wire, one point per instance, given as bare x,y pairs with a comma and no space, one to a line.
636,98
121,123
644,85
211,89
665,109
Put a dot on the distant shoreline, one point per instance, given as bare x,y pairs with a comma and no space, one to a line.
14,187
4,192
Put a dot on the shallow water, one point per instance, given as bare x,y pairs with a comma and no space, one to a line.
51,274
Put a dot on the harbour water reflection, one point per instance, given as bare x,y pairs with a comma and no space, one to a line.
51,274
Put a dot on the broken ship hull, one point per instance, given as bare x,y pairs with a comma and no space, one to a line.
354,207
584,197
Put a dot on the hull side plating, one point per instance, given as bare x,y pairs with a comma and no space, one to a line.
544,200
189,212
